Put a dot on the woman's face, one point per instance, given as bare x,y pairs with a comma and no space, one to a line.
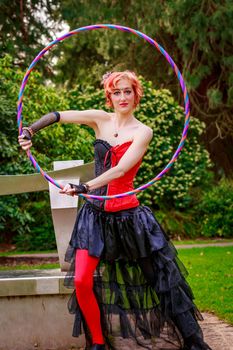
122,97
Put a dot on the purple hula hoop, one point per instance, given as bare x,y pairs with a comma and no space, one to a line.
170,61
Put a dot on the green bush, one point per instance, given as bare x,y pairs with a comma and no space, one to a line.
178,224
20,219
173,195
41,235
159,110
216,210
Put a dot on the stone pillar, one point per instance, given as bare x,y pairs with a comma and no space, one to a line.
64,210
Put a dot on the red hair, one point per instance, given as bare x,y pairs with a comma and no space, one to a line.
112,78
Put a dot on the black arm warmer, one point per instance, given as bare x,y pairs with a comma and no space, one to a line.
81,188
44,121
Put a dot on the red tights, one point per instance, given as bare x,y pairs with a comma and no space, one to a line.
85,266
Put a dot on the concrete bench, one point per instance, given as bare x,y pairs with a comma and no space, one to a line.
33,304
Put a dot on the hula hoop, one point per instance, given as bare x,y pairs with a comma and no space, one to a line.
175,69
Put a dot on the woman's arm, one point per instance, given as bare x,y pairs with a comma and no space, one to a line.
91,118
131,157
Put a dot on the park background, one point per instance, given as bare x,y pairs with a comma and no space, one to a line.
195,200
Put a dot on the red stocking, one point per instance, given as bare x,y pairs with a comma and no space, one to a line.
85,266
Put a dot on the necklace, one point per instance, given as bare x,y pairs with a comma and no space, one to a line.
116,133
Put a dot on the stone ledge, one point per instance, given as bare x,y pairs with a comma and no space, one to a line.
34,282
39,322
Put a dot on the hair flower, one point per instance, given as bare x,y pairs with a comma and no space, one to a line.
106,76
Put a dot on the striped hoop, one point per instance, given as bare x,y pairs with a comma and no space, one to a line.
170,61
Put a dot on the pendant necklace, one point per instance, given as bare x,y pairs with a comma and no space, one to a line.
116,132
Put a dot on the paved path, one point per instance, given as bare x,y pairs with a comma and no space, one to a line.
218,334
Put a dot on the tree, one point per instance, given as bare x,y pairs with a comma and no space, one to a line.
86,57
25,27
197,34
204,38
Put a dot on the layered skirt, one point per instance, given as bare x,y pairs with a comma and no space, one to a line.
140,283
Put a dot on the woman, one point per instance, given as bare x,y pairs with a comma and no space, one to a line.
138,275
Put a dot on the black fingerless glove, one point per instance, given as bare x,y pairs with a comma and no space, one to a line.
44,121
81,188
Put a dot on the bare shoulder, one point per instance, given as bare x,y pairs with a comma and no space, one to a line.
144,133
100,114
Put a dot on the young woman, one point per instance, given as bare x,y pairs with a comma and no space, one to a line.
137,273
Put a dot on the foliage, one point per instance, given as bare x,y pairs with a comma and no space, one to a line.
61,142
204,55
179,224
159,110
40,234
210,276
38,100
216,210
174,197
19,214
176,194
110,49
24,27
197,34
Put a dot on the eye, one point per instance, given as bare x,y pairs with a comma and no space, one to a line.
128,92
116,93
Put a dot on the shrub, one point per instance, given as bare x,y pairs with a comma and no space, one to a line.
216,210
20,216
41,235
159,110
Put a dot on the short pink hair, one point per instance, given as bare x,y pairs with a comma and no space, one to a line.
112,78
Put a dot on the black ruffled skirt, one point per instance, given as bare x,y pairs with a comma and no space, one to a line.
140,283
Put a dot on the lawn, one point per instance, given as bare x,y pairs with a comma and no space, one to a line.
21,252
202,241
211,278
30,267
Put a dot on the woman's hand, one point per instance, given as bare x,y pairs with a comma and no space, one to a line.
24,142
71,189
68,190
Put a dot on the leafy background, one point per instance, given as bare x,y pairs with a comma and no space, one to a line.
195,198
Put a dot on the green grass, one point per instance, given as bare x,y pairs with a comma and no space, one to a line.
30,267
19,252
202,241
182,242
211,278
